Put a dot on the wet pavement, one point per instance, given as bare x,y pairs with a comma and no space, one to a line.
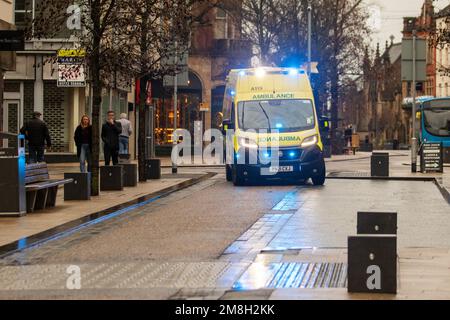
216,241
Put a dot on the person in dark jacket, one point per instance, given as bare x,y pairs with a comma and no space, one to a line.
111,131
37,134
83,140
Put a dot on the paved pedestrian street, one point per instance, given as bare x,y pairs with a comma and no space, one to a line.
216,241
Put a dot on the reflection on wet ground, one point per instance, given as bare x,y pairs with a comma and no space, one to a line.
299,243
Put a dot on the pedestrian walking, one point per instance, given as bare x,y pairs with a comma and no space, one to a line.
110,137
127,131
37,134
83,140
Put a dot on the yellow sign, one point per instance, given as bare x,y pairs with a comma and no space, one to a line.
204,107
71,53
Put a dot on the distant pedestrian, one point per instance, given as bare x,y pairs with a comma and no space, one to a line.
83,140
348,136
127,131
37,134
110,137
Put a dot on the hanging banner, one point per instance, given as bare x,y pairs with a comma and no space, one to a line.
71,68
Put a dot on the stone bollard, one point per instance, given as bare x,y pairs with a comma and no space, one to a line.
372,255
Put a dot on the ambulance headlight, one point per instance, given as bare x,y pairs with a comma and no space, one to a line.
310,141
247,143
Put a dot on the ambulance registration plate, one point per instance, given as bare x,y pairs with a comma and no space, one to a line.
281,169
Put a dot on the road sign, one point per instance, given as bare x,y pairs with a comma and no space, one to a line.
12,40
421,60
432,158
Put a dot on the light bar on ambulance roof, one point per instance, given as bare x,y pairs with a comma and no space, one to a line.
293,72
260,72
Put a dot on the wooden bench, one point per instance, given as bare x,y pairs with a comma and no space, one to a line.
41,190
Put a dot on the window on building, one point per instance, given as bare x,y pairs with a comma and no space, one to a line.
446,89
23,13
221,14
26,10
440,90
445,62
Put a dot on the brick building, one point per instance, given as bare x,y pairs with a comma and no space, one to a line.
443,56
424,25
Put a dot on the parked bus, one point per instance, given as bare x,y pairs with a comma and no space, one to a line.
268,106
435,123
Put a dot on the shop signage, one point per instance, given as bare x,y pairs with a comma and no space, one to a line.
71,68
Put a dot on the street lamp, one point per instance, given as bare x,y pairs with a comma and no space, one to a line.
414,110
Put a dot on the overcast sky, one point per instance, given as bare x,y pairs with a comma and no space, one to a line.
387,16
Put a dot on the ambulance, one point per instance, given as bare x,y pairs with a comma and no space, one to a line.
267,109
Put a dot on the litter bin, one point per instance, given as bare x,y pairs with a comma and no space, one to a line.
380,164
13,201
79,189
130,171
111,178
153,169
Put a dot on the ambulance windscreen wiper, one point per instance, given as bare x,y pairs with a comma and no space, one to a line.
267,116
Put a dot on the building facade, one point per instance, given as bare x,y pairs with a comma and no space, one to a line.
443,56
33,86
216,47
424,25
7,62
374,106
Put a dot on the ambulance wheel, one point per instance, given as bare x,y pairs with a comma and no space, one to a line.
237,176
229,173
319,180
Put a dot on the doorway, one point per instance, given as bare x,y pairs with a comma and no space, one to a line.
11,121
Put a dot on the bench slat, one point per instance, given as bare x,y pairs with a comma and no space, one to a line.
35,179
35,166
47,184
35,172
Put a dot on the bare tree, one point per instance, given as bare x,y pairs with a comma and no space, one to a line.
101,37
158,26
123,40
278,30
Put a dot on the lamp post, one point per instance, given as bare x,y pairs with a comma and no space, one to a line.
175,108
414,110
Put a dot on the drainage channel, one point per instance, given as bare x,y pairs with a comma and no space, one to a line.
95,218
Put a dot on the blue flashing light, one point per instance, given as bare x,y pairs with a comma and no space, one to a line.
242,73
302,72
279,126
233,93
293,72
238,156
292,154
267,155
